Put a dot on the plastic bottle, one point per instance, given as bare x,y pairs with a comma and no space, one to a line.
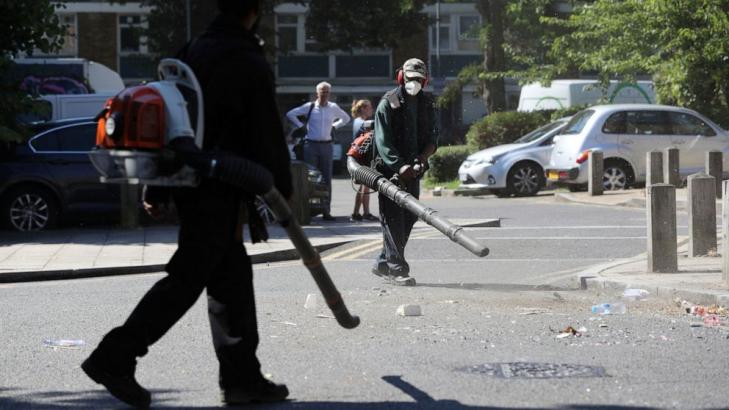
609,308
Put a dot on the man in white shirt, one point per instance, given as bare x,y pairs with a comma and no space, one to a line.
318,142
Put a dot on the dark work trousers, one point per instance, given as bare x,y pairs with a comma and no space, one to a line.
397,223
319,154
208,257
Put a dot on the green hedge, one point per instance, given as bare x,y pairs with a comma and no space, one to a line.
503,128
445,162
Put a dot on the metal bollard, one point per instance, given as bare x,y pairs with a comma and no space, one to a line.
725,232
670,167
654,167
595,173
715,168
661,220
702,214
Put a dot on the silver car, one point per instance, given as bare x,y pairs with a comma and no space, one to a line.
512,169
625,133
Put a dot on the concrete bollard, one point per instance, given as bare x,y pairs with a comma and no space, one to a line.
702,214
725,231
654,167
715,168
595,173
300,208
661,220
670,167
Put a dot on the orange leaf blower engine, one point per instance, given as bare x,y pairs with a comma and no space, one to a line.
138,127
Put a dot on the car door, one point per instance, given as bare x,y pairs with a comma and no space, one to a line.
64,150
697,138
644,131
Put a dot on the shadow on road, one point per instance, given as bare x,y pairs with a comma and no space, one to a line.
100,399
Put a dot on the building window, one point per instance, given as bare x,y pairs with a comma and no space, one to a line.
69,47
287,31
131,38
468,32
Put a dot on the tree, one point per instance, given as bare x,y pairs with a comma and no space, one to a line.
515,43
682,44
28,25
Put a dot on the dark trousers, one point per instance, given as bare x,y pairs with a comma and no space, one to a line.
319,154
397,223
208,258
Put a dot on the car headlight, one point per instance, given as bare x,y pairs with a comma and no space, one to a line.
485,161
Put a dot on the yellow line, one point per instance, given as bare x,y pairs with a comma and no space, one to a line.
337,255
356,252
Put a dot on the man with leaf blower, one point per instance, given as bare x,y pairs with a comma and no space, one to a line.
241,120
405,136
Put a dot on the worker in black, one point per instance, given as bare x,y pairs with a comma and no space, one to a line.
405,135
241,118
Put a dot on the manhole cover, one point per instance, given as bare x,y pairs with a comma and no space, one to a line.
523,370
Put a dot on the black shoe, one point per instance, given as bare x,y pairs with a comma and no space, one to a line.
355,218
122,386
328,217
264,391
370,217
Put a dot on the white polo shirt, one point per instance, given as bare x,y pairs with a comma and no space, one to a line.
319,127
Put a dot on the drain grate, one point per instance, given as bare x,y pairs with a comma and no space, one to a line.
522,370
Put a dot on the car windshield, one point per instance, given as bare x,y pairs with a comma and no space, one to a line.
539,132
577,123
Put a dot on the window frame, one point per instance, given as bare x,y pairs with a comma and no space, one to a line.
55,131
143,40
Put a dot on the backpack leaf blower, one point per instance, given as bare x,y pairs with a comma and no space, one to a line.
144,136
359,156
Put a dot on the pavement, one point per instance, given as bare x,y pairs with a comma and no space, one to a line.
75,253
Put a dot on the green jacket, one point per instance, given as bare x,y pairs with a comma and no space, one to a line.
404,127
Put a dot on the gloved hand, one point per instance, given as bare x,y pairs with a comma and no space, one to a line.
407,173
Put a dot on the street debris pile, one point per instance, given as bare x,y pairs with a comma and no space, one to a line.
712,316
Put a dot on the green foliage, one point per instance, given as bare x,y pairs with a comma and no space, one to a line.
503,128
27,26
445,162
682,44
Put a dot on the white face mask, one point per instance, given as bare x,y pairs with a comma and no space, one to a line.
413,87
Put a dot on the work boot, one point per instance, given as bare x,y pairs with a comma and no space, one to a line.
262,391
120,384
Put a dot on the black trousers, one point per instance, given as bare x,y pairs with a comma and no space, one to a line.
208,258
397,223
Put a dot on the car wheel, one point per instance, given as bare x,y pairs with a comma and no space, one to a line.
614,177
29,209
525,179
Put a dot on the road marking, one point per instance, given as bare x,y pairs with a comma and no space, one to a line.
487,259
519,228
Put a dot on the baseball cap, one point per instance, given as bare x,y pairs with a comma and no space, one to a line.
415,68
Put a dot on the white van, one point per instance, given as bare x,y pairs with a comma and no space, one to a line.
569,93
63,106
100,78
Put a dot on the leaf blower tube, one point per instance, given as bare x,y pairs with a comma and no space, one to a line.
256,179
375,180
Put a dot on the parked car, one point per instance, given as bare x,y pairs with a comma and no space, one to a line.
512,169
318,192
50,176
625,133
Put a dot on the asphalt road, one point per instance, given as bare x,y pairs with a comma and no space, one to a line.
487,339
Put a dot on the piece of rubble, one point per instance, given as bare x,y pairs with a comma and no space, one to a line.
409,310
311,301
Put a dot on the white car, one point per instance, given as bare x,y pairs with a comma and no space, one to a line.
625,133
512,169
